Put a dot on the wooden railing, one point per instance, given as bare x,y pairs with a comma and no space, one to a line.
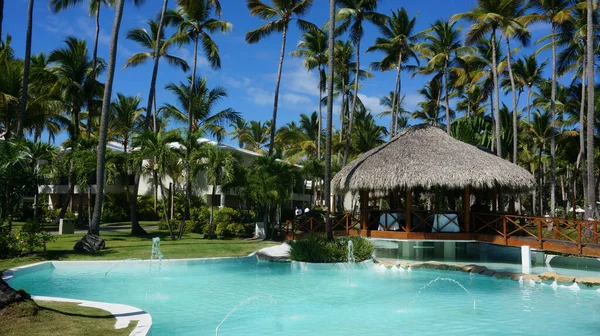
561,235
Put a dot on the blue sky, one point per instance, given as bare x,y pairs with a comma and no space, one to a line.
248,71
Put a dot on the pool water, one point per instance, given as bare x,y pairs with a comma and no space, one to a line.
283,299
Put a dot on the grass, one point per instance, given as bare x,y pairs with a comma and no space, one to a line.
54,227
60,318
121,245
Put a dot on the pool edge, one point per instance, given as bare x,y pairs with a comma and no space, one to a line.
124,314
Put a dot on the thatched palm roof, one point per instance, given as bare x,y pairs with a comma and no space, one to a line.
425,156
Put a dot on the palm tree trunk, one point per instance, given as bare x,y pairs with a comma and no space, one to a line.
320,114
276,97
496,96
581,156
353,110
188,168
591,200
155,66
112,58
394,123
90,101
26,66
553,128
211,230
528,104
328,126
493,116
136,228
1,16
514,101
164,205
447,98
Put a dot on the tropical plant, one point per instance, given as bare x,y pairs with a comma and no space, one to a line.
397,44
352,15
283,12
313,48
158,146
441,48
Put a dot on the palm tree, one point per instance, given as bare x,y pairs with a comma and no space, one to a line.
93,9
148,40
488,17
528,73
397,44
429,111
313,48
218,166
351,16
441,48
1,16
284,12
125,122
556,12
396,110
203,117
328,124
367,135
158,146
104,117
240,131
77,85
300,141
26,64
257,136
591,201
194,22
540,129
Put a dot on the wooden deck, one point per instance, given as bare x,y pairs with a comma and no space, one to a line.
570,236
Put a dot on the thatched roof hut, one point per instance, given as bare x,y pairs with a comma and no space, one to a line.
425,157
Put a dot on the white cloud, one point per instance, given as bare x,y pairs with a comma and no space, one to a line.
260,96
292,98
296,78
540,27
372,103
236,82
411,101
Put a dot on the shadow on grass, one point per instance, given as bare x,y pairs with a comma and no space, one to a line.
58,311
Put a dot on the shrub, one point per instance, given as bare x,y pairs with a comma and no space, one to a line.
316,248
200,218
145,207
9,246
32,236
115,208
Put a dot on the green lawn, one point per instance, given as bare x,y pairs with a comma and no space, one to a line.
60,318
121,245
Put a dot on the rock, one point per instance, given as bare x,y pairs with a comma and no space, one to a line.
10,296
478,269
504,275
553,276
588,281
405,264
534,277
488,272
89,243
279,253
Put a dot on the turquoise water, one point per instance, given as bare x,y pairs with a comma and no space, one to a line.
284,300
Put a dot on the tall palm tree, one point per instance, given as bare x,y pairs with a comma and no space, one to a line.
124,123
367,134
591,201
147,40
240,130
441,47
556,12
158,146
26,65
104,117
328,124
283,12
488,17
528,73
93,9
257,136
195,22
397,44
1,16
430,108
77,85
313,48
351,15
218,166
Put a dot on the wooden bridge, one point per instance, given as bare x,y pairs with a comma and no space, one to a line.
570,236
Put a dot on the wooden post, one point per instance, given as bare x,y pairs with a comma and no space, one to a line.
364,216
578,236
408,209
467,208
504,230
540,234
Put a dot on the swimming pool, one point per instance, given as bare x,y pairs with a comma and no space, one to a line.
193,297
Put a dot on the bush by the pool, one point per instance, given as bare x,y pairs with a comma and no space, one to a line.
315,248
